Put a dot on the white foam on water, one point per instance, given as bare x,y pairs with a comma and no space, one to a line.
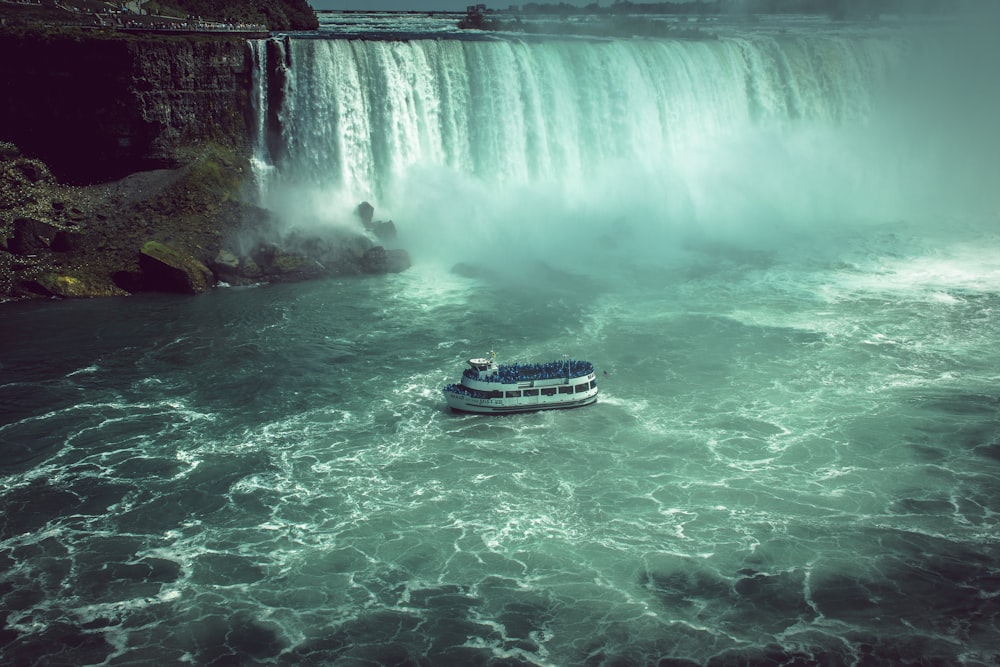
790,424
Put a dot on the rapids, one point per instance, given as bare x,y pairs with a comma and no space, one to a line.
783,265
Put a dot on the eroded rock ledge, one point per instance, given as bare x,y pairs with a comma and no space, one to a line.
123,165
181,230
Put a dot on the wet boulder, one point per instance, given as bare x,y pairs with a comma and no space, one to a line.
380,260
166,269
276,264
68,286
365,211
236,269
384,230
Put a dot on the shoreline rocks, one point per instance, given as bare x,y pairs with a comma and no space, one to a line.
181,231
165,269
125,167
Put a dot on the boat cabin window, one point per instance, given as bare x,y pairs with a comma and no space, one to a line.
593,383
549,391
566,390
513,394
531,392
581,387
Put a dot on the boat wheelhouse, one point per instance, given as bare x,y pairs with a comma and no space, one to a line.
491,388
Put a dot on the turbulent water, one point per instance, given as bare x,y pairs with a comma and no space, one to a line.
778,247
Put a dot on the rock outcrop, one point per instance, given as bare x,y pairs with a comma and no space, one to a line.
384,230
171,230
31,236
166,269
97,109
380,260
124,164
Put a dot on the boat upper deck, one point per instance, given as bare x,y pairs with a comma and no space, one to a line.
517,373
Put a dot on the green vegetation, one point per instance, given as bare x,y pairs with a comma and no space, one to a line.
213,175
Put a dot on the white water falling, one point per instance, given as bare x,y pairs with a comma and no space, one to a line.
362,112
260,162
794,459
745,138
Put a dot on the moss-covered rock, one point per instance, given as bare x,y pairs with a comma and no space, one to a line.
177,230
166,269
70,287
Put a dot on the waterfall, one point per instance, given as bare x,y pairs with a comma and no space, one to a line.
362,112
260,162
743,136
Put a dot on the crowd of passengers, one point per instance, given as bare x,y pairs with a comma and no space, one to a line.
462,390
514,373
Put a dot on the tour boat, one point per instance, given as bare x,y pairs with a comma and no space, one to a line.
490,388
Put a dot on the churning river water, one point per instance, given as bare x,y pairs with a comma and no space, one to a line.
790,458
794,458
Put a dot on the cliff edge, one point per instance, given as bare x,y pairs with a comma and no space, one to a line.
97,106
125,166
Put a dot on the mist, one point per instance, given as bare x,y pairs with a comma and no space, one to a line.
563,151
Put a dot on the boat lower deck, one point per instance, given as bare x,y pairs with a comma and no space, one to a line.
489,388
498,406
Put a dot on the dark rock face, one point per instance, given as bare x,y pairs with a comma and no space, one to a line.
304,257
380,260
165,269
384,230
98,109
179,231
278,65
31,236
66,241
366,212
123,168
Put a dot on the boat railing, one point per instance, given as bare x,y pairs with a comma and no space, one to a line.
462,390
553,370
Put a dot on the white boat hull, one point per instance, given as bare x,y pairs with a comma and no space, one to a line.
489,388
498,406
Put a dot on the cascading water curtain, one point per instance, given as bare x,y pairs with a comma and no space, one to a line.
359,113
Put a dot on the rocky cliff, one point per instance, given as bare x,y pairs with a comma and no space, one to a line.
124,161
96,107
